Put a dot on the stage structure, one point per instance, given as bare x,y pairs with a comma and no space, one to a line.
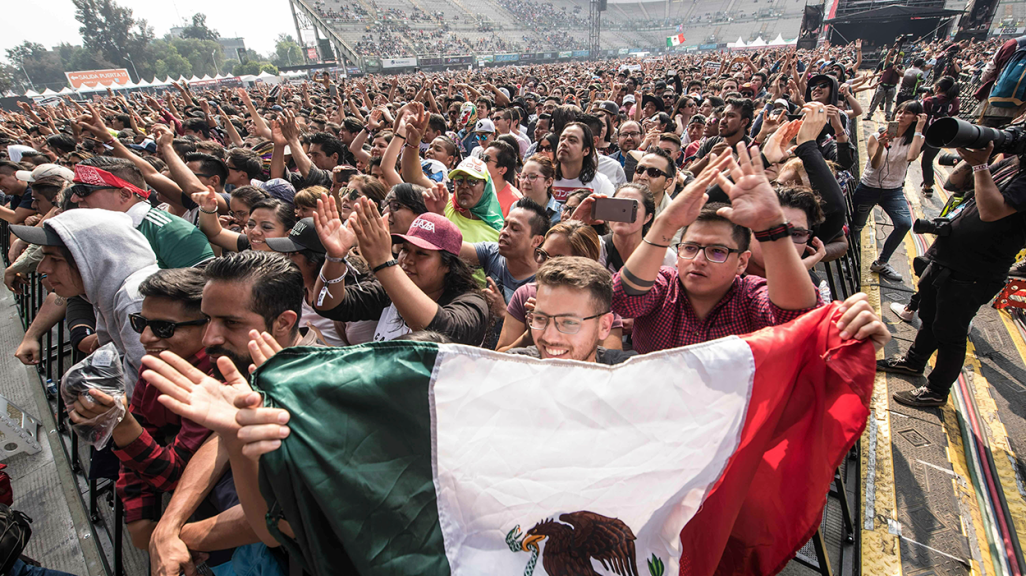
881,25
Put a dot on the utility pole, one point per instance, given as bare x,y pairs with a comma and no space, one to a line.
214,59
129,58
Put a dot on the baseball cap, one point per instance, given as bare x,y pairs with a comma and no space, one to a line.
43,171
608,107
473,167
38,235
432,231
628,98
303,236
279,188
147,145
484,125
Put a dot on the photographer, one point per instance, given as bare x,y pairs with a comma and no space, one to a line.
968,264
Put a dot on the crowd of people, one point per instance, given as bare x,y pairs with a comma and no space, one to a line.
543,15
201,232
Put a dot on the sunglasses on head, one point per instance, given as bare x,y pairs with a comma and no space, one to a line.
161,328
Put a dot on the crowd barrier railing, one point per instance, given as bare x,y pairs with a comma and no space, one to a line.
57,355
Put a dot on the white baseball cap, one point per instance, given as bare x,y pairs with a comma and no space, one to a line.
484,125
45,171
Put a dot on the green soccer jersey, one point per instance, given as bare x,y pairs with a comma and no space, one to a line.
176,243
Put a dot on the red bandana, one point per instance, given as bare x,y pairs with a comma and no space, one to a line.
93,176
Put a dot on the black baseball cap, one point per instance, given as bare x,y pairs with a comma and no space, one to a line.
38,235
303,236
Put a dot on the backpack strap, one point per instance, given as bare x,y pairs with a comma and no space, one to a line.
613,257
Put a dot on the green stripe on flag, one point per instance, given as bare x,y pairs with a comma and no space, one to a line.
371,484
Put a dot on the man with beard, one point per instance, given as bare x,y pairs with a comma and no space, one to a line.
627,138
246,293
734,123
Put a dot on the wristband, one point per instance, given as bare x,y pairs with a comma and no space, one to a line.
650,243
381,267
774,233
400,136
919,134
981,167
333,259
214,211
320,275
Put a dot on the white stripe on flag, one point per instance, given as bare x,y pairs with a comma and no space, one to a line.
519,440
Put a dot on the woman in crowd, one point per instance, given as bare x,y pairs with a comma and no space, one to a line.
268,218
240,203
403,204
427,287
884,177
535,183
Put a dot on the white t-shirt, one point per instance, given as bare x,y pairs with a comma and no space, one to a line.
391,325
599,185
325,327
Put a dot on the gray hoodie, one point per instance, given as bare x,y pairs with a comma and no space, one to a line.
113,258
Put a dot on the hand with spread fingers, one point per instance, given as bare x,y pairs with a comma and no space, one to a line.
192,394
336,238
753,202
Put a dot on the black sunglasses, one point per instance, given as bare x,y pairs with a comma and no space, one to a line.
161,328
83,190
653,172
351,194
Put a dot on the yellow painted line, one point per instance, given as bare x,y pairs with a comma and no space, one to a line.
997,437
880,549
1001,449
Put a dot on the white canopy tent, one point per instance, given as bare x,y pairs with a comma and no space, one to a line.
757,43
30,93
49,92
737,45
66,90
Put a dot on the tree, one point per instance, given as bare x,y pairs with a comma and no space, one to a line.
19,54
199,30
287,52
254,68
111,31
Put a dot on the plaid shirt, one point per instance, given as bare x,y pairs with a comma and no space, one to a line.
664,318
153,462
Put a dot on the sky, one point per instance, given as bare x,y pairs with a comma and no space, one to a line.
50,22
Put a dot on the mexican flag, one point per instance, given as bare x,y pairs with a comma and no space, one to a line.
420,458
672,41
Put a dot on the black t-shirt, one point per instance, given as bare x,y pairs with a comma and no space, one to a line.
984,250
707,146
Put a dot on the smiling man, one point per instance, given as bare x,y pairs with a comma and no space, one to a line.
572,313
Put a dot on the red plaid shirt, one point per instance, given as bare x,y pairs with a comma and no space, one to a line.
664,318
153,462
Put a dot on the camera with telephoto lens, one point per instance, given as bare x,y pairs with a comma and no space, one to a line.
948,159
938,226
954,133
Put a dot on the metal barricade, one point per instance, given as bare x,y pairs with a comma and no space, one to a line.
56,356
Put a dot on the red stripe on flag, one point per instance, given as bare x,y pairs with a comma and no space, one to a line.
807,409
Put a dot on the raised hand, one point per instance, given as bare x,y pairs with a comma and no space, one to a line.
753,203
192,394
813,122
436,197
206,200
776,146
336,238
813,253
371,230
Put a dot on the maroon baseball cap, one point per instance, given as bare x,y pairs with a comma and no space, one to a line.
432,231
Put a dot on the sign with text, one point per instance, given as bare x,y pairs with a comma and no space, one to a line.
104,77
398,62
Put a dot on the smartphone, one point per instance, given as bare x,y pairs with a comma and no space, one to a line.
615,209
343,175
332,90
275,90
892,129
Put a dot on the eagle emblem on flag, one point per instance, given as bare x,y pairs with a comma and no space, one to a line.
572,543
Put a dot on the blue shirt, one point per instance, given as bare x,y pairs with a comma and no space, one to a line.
494,266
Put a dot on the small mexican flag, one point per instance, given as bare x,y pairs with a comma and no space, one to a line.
674,40
445,460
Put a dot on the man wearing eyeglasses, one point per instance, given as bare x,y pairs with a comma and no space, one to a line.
572,312
706,297
627,138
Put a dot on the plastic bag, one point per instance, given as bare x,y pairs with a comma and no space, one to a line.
101,371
